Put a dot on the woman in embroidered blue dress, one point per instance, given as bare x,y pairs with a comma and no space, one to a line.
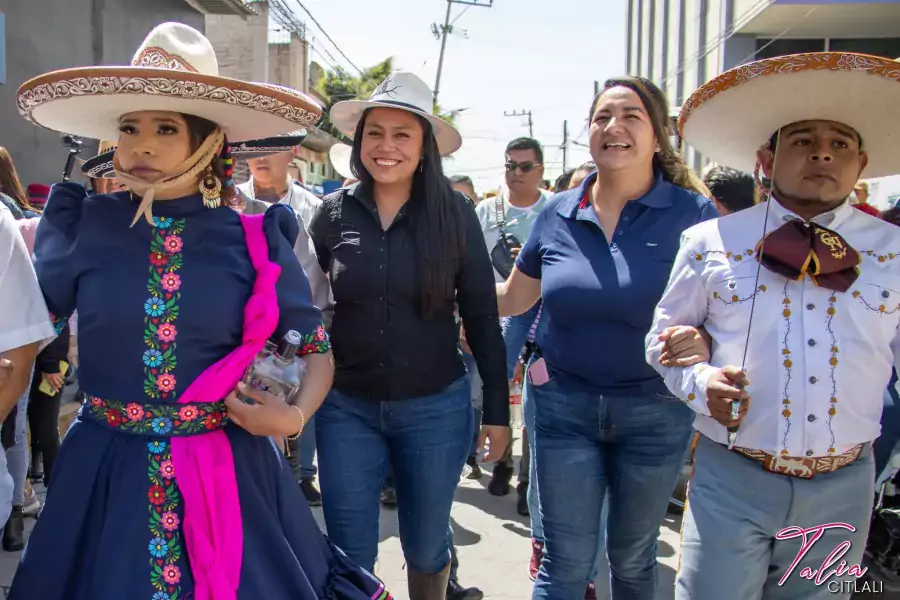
164,488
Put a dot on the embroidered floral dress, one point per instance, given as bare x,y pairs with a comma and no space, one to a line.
157,306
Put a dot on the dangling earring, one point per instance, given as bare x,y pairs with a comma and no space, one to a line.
421,166
211,188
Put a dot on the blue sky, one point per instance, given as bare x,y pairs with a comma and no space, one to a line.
519,54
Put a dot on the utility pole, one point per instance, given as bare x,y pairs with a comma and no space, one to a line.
565,146
445,30
524,113
596,89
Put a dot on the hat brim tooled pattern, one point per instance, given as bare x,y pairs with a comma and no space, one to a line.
267,146
346,115
89,101
729,118
100,166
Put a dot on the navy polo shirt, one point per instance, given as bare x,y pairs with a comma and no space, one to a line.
599,295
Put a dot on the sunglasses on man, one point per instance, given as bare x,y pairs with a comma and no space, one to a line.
525,166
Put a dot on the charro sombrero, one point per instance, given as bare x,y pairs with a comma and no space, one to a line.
176,70
404,91
266,146
729,118
101,166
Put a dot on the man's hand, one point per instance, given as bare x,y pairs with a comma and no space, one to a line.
684,346
495,438
514,251
6,368
56,380
721,389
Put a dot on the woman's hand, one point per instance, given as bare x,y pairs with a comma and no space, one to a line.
270,416
56,380
495,438
684,346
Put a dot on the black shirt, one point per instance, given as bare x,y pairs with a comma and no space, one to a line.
383,348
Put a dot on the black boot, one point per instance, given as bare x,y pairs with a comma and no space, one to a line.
36,471
455,591
500,478
475,469
14,532
522,502
311,491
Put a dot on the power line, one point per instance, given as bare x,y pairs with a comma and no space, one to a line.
338,48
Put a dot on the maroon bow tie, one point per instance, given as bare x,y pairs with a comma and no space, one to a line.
797,249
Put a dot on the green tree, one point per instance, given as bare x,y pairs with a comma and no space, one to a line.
339,84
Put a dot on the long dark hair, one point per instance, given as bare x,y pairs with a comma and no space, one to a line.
667,161
436,214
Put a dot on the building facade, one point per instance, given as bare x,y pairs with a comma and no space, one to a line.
681,44
43,35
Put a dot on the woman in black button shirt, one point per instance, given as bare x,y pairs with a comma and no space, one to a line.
402,250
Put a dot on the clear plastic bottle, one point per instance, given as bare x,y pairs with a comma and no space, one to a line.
277,369
515,405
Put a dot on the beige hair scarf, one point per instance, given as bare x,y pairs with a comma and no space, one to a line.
187,170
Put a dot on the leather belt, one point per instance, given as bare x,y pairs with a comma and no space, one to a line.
801,467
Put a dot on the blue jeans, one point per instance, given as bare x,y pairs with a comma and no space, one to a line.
629,449
17,457
515,334
426,441
303,452
534,495
890,427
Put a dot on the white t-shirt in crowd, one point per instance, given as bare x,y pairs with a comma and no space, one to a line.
24,318
518,221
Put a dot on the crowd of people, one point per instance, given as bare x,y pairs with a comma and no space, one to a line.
638,306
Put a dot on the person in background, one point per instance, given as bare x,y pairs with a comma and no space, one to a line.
891,215
100,171
14,428
464,185
403,250
562,182
606,427
37,195
271,182
580,174
731,190
515,213
24,326
544,184
12,194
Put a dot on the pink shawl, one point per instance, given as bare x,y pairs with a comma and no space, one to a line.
204,464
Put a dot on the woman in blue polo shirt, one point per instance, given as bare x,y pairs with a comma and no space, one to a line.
600,257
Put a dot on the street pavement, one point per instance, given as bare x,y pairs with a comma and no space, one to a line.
493,542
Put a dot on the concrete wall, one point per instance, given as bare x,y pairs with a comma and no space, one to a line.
43,35
288,64
242,45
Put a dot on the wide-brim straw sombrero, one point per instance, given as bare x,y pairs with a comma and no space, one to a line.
102,167
175,70
729,118
339,154
404,91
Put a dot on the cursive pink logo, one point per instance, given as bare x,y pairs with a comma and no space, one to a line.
825,572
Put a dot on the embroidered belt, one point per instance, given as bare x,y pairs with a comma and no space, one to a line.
803,468
157,418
